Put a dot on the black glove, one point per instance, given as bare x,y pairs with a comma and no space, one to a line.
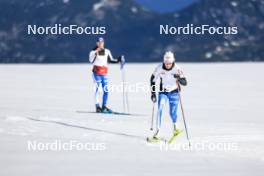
153,98
182,80
121,59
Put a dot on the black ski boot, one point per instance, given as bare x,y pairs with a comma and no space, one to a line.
98,109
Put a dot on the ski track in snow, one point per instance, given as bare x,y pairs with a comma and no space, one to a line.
37,102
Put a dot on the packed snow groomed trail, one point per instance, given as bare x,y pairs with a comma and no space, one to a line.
54,104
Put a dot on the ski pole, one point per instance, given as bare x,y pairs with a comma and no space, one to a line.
183,115
127,102
125,94
124,102
152,118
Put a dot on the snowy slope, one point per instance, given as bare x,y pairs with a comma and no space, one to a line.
223,104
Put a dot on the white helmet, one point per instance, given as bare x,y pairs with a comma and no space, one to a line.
168,57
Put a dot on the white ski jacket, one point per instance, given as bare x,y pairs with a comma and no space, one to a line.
167,77
100,59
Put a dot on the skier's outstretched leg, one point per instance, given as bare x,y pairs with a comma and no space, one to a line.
98,82
105,95
161,104
174,101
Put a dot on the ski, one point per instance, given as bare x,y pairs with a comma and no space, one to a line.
115,113
155,140
110,113
172,139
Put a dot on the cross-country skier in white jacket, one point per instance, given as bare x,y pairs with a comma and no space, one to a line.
99,57
169,73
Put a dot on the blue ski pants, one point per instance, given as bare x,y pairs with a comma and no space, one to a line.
164,97
101,81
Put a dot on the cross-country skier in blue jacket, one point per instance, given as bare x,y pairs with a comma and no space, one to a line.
169,73
99,57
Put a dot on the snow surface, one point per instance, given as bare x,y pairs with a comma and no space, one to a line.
223,104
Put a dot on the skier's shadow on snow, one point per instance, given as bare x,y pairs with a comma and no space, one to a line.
88,128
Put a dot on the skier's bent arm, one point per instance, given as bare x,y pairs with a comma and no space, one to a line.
153,89
181,78
110,58
155,75
153,79
152,84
